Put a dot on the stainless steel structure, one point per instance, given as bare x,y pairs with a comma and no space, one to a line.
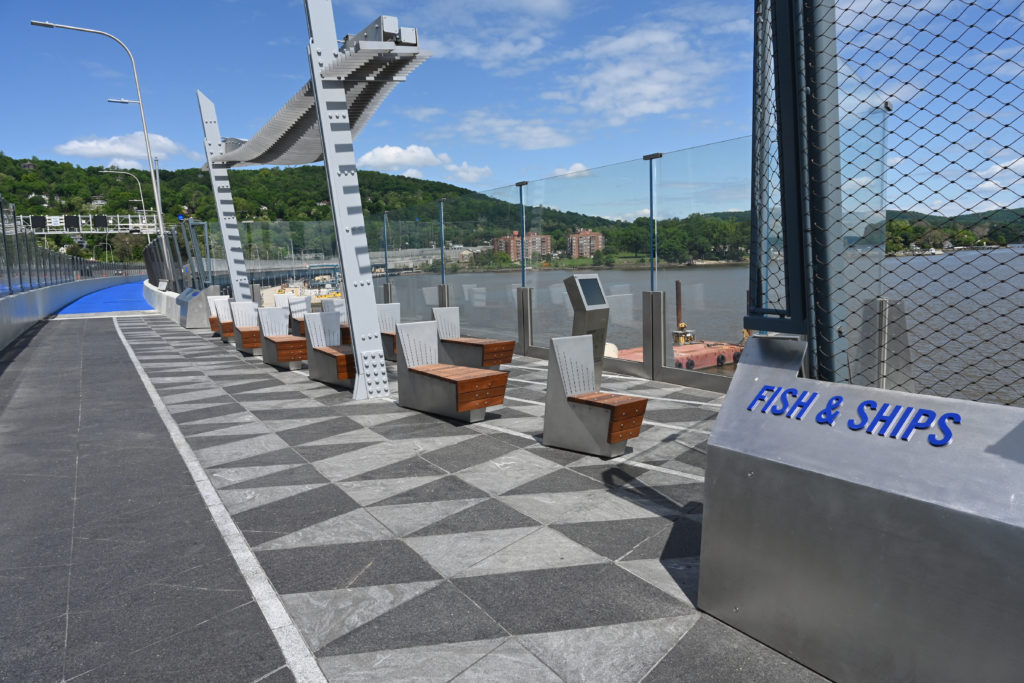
223,200
589,314
575,426
322,330
348,82
871,535
224,315
274,322
244,314
417,345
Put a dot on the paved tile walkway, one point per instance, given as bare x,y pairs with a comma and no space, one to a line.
406,547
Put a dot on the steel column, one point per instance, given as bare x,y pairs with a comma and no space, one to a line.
343,187
224,202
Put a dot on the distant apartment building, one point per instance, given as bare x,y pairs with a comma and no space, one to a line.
584,243
536,244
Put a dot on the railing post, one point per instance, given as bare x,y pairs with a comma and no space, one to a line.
649,158
522,233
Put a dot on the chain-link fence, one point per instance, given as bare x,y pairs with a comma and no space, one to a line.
900,125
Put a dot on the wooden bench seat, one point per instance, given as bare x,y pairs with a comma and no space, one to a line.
495,351
346,362
474,387
578,416
475,352
250,337
627,412
214,324
456,391
289,346
346,334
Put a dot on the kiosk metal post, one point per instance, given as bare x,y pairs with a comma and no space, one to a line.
590,314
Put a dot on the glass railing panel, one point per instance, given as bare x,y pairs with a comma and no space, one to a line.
482,281
414,254
702,207
590,217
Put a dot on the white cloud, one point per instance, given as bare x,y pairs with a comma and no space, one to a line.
577,170
467,173
392,158
423,113
413,173
658,67
127,163
481,127
131,146
505,36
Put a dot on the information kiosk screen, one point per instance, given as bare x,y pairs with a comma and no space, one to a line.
592,293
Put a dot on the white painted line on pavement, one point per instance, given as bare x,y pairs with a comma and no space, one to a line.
293,646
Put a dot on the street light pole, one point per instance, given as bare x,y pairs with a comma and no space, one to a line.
142,113
142,200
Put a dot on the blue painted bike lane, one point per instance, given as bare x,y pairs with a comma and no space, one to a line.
126,297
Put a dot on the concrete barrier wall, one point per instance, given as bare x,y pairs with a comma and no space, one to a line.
20,311
162,302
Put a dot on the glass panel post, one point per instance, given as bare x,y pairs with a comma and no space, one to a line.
652,227
522,231
442,239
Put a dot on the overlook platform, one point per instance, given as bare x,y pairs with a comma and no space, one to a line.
172,510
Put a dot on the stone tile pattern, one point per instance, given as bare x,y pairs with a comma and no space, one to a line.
405,546
111,567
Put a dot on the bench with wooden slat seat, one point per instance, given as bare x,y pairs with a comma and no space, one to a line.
388,317
578,416
298,307
474,387
492,352
459,392
469,351
211,301
329,361
224,319
247,328
337,305
627,412
280,348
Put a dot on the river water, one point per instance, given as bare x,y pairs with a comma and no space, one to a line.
964,312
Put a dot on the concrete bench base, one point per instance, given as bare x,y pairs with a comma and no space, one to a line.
332,365
247,341
284,351
453,391
476,353
390,342
577,415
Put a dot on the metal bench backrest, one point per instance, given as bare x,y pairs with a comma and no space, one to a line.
336,305
211,301
388,316
273,321
223,307
573,358
323,329
299,306
281,300
448,325
417,343
244,314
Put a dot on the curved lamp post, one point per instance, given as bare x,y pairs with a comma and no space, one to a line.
145,130
142,200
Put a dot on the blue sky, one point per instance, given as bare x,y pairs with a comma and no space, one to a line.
515,89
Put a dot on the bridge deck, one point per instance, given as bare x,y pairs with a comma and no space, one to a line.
142,464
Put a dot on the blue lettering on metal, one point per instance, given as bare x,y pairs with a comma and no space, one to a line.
895,421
